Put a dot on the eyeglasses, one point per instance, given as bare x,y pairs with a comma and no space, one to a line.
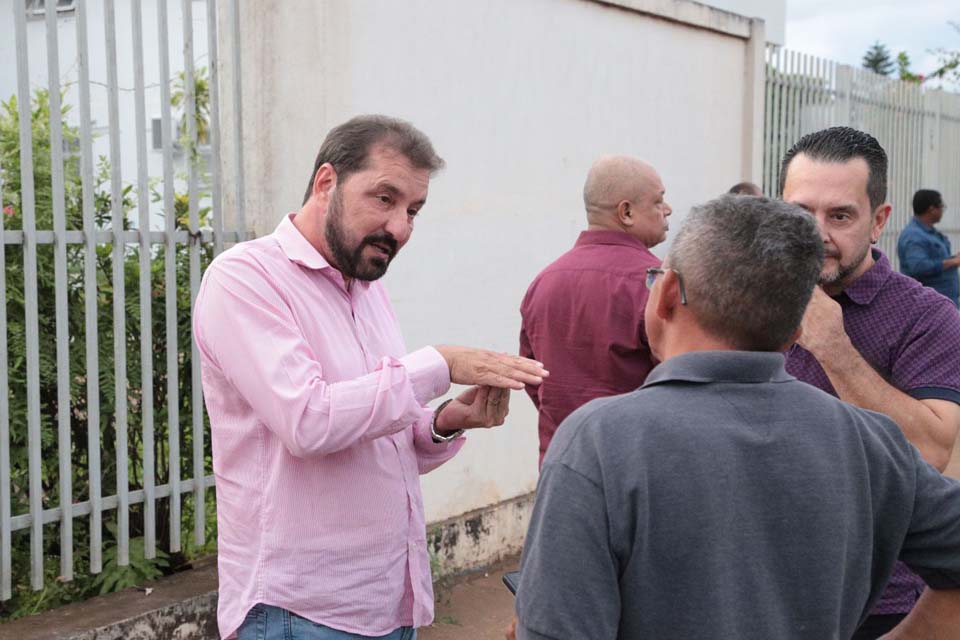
652,274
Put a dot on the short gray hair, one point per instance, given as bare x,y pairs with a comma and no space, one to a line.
749,266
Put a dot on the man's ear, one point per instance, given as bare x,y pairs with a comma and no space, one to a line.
625,213
880,216
324,181
668,296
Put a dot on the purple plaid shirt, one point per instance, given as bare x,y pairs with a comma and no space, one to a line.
911,335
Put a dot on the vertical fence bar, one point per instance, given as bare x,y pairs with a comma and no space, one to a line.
28,212
821,93
60,296
797,81
215,187
777,125
6,570
91,334
119,312
170,281
237,74
767,131
146,308
785,102
804,93
782,58
196,398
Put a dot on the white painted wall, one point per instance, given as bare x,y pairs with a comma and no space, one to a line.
520,98
772,12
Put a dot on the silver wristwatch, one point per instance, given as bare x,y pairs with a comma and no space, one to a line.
433,426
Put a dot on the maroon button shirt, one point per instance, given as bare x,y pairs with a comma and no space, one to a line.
583,319
911,335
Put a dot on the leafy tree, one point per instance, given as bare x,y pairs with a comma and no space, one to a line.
201,104
949,60
877,59
903,69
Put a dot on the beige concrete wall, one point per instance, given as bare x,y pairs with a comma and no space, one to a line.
519,97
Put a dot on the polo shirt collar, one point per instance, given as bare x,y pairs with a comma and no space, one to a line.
721,366
865,288
609,236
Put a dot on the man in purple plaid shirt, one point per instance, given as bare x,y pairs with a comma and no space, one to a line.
871,336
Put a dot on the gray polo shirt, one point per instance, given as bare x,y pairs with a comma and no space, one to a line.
725,499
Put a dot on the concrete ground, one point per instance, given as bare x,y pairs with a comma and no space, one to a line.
183,607
476,607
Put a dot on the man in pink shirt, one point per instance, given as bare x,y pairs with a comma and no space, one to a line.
583,314
318,414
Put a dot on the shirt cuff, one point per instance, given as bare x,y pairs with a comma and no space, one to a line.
934,393
428,372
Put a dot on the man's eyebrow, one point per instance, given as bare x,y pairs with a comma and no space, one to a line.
395,191
844,208
387,186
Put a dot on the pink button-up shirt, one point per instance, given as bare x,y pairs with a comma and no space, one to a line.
319,434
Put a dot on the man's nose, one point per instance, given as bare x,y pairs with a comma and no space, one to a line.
398,224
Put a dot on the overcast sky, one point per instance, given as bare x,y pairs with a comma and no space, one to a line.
843,30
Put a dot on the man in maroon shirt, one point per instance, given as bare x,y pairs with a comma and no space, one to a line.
583,315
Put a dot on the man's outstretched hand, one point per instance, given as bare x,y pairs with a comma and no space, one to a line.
489,368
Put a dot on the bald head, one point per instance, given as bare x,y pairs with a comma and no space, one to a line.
626,194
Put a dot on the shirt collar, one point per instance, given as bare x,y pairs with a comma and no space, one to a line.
609,236
721,366
864,289
918,223
296,247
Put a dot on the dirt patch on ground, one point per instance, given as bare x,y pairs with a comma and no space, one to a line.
476,607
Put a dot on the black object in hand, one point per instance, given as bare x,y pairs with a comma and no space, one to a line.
512,579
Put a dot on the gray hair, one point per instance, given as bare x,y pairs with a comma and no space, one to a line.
749,266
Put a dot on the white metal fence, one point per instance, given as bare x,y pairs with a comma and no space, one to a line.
918,127
40,406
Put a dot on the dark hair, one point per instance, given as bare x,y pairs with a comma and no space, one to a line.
745,189
924,199
347,146
840,144
749,266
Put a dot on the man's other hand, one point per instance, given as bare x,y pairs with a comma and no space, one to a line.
822,327
475,408
488,368
511,631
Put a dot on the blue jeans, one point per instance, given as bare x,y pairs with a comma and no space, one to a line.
264,622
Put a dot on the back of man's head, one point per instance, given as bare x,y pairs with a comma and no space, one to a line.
745,189
841,144
749,266
924,199
347,146
614,178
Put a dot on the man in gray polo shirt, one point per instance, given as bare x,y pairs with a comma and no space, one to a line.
724,498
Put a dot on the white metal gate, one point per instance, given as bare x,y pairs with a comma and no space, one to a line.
136,250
